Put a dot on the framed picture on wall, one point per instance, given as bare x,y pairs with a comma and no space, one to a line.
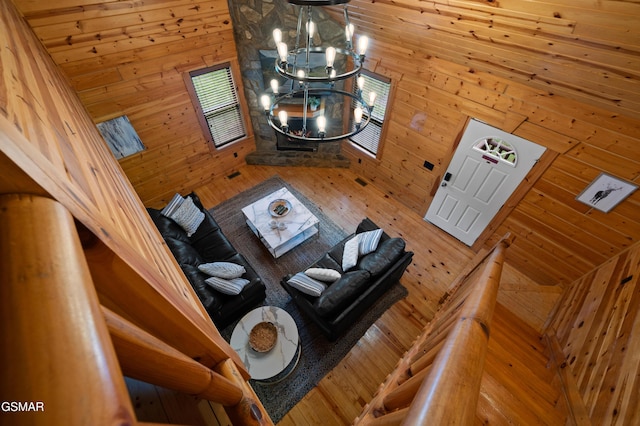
120,136
606,192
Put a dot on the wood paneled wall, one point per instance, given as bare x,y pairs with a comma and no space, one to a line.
555,85
563,74
128,58
596,325
50,147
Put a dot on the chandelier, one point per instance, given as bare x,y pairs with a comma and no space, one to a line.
317,75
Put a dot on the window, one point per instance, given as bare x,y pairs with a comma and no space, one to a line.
217,103
369,138
496,149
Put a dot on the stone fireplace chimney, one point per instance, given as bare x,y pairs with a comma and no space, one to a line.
253,23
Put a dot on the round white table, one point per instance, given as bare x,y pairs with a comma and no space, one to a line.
276,364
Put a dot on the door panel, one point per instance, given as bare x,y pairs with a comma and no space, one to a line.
491,186
467,174
487,167
447,208
468,219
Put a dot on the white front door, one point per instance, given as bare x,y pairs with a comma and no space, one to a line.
487,167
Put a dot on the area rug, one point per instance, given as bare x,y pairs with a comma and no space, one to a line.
318,355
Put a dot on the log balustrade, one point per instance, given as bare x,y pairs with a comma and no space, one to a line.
446,362
59,342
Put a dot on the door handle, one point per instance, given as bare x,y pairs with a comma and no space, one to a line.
447,177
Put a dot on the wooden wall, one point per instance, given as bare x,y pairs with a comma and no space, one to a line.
596,325
50,147
129,58
564,74
568,96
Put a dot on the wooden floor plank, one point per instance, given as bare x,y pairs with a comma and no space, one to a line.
518,373
438,259
146,401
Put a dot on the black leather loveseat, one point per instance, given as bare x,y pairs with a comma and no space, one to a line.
208,244
345,300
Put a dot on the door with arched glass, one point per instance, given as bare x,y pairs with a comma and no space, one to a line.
487,167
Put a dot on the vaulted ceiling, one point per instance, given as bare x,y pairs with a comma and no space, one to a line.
562,73
588,51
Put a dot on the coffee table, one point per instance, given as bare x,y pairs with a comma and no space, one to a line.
280,361
281,233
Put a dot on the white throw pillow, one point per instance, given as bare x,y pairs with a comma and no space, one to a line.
188,216
173,205
226,270
306,284
350,253
323,274
231,287
369,241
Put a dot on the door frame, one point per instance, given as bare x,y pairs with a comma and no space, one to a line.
485,237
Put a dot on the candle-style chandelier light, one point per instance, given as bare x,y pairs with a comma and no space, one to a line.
316,75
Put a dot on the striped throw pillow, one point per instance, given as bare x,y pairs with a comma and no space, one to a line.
306,284
231,287
173,205
369,241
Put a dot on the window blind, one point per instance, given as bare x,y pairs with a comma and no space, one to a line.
369,138
218,100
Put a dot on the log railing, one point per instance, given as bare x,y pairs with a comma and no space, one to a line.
437,382
64,354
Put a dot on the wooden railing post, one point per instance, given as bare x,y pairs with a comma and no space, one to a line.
437,381
144,357
129,295
250,410
56,352
457,369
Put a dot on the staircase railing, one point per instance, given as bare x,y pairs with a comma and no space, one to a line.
437,382
64,354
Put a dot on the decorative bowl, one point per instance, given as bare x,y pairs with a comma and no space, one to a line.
263,336
279,207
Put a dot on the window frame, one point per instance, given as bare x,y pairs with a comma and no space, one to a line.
375,122
202,117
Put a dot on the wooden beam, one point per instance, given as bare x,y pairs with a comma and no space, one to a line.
250,410
56,347
122,290
147,358
390,419
458,367
402,396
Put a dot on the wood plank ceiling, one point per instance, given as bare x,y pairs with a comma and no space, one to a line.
562,73
587,51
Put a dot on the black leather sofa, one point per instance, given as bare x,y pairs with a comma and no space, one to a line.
209,244
345,300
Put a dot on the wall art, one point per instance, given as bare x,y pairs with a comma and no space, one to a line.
606,192
120,136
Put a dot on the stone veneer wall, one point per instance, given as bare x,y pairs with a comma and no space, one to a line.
253,23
